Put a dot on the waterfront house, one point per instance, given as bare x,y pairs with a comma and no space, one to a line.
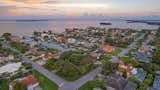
71,40
16,38
31,82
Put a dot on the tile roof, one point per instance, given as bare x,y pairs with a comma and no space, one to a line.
108,48
30,80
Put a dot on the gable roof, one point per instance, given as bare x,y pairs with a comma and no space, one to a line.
29,80
116,81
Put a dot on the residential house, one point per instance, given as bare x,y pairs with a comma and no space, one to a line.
97,53
142,49
141,74
142,56
11,69
126,68
50,55
16,38
71,40
31,82
117,82
156,83
108,48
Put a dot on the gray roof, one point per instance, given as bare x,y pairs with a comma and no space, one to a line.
156,83
142,57
116,81
141,74
130,86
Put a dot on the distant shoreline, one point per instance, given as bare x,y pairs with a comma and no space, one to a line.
149,22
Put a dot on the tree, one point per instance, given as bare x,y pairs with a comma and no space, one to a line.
149,79
142,87
7,36
36,34
27,65
49,32
109,67
149,67
156,57
46,38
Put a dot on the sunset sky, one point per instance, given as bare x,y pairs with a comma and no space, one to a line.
28,8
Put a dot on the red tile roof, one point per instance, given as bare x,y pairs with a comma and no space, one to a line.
108,48
142,49
29,80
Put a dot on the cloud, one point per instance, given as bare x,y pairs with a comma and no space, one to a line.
77,7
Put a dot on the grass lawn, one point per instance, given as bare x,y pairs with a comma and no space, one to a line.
90,85
117,51
104,58
4,84
44,82
126,59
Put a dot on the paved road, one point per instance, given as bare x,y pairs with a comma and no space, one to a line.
126,50
76,84
39,68
63,85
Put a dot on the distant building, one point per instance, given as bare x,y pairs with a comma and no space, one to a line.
31,82
71,40
156,83
16,38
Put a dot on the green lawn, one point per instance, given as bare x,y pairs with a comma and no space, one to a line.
117,51
126,59
93,84
104,58
71,65
45,83
4,84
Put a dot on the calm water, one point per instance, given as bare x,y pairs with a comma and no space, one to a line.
23,28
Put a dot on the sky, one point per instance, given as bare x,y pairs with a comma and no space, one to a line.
74,8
